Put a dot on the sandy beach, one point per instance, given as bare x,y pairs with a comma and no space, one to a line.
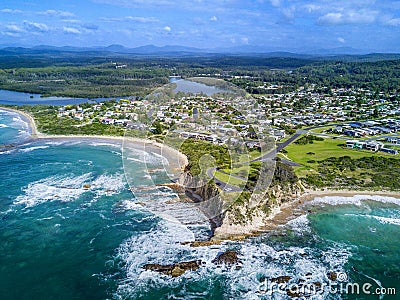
303,205
278,216
178,158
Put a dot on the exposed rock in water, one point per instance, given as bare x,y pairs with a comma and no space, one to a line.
202,243
228,257
174,270
303,290
174,186
281,279
332,276
86,186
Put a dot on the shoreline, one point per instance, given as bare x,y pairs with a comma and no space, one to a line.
279,215
31,122
36,135
303,204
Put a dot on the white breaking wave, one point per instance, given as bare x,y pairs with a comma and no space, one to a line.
300,224
354,200
257,261
135,159
129,205
160,245
55,143
23,134
146,157
108,184
96,144
17,121
69,188
33,148
53,188
3,126
384,220
7,152
6,112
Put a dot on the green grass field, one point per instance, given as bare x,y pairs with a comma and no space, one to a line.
229,179
242,171
302,154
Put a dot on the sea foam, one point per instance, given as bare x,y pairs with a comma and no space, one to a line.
33,148
69,188
354,200
54,188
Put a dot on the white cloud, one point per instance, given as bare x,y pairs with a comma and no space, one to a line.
288,12
131,19
275,3
244,40
74,21
341,40
36,26
14,28
137,3
167,28
348,17
331,18
57,13
393,22
213,19
11,11
71,30
311,7
142,19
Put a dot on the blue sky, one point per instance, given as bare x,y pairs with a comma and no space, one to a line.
292,25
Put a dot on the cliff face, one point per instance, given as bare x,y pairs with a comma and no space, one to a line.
242,216
254,207
242,219
206,195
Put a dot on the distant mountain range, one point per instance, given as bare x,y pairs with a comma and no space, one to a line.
178,51
152,50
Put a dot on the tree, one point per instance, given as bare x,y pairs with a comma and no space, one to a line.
158,127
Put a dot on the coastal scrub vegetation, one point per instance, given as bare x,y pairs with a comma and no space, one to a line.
47,122
375,172
308,139
196,151
308,155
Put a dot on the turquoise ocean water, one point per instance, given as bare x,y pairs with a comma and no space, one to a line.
71,228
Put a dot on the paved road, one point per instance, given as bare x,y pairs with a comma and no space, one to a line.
272,154
222,185
269,156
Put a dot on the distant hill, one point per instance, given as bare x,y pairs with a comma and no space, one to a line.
175,50
44,55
